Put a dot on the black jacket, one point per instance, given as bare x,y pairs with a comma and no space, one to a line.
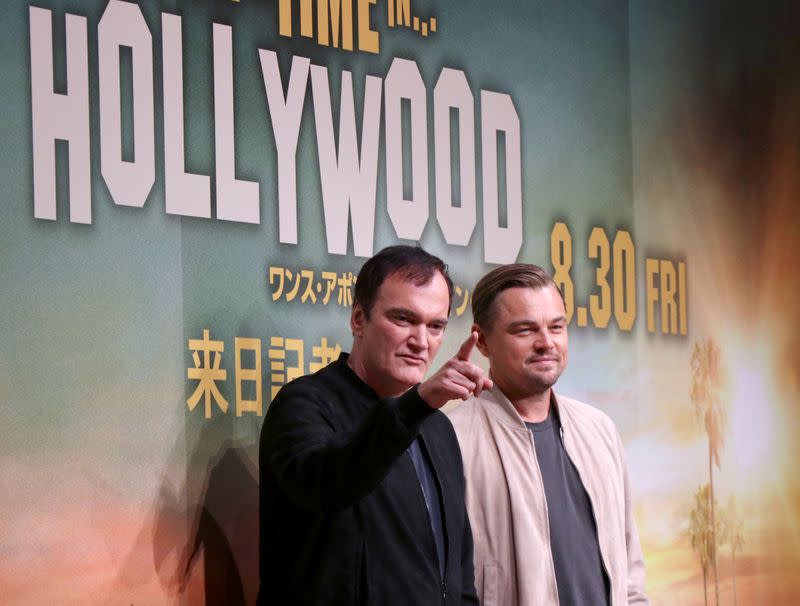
342,515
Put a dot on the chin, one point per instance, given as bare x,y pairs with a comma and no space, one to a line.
544,383
410,379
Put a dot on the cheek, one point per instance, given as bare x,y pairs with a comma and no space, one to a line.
435,341
392,335
518,348
399,338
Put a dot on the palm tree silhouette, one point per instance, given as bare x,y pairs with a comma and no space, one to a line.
732,528
701,533
707,375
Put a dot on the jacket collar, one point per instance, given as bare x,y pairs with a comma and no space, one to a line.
501,408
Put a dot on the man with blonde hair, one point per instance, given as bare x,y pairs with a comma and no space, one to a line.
546,480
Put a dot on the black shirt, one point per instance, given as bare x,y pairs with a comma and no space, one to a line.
342,517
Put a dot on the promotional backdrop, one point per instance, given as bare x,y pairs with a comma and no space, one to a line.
189,189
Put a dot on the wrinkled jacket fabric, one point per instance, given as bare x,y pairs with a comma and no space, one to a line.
508,510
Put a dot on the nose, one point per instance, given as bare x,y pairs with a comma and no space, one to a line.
418,337
544,340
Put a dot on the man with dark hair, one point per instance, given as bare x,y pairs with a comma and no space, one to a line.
547,484
362,488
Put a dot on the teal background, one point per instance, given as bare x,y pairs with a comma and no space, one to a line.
114,492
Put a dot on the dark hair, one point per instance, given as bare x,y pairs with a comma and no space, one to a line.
412,263
515,275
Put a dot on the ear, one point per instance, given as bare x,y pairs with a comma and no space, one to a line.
357,319
481,344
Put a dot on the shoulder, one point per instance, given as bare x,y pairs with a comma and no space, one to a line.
586,418
305,387
469,419
331,379
321,392
464,413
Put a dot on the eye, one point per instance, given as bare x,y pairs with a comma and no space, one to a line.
523,331
436,328
557,328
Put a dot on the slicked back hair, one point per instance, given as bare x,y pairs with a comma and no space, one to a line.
411,263
515,275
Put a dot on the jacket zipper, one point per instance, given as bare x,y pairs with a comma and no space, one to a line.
435,473
427,455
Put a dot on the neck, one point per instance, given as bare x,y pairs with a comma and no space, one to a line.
356,363
533,408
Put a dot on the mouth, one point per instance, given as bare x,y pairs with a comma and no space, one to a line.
543,360
413,360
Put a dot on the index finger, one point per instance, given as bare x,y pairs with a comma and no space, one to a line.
465,351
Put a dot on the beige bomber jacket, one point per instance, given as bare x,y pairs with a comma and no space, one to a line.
507,506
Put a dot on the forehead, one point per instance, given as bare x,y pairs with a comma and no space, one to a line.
429,300
522,303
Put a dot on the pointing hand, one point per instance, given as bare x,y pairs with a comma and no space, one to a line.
458,378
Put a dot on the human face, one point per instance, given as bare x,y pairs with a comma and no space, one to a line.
527,342
394,347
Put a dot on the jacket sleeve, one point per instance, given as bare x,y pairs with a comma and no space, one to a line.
319,468
636,568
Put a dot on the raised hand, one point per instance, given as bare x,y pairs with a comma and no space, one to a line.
458,378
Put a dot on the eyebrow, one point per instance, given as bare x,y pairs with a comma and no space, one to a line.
555,320
415,315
